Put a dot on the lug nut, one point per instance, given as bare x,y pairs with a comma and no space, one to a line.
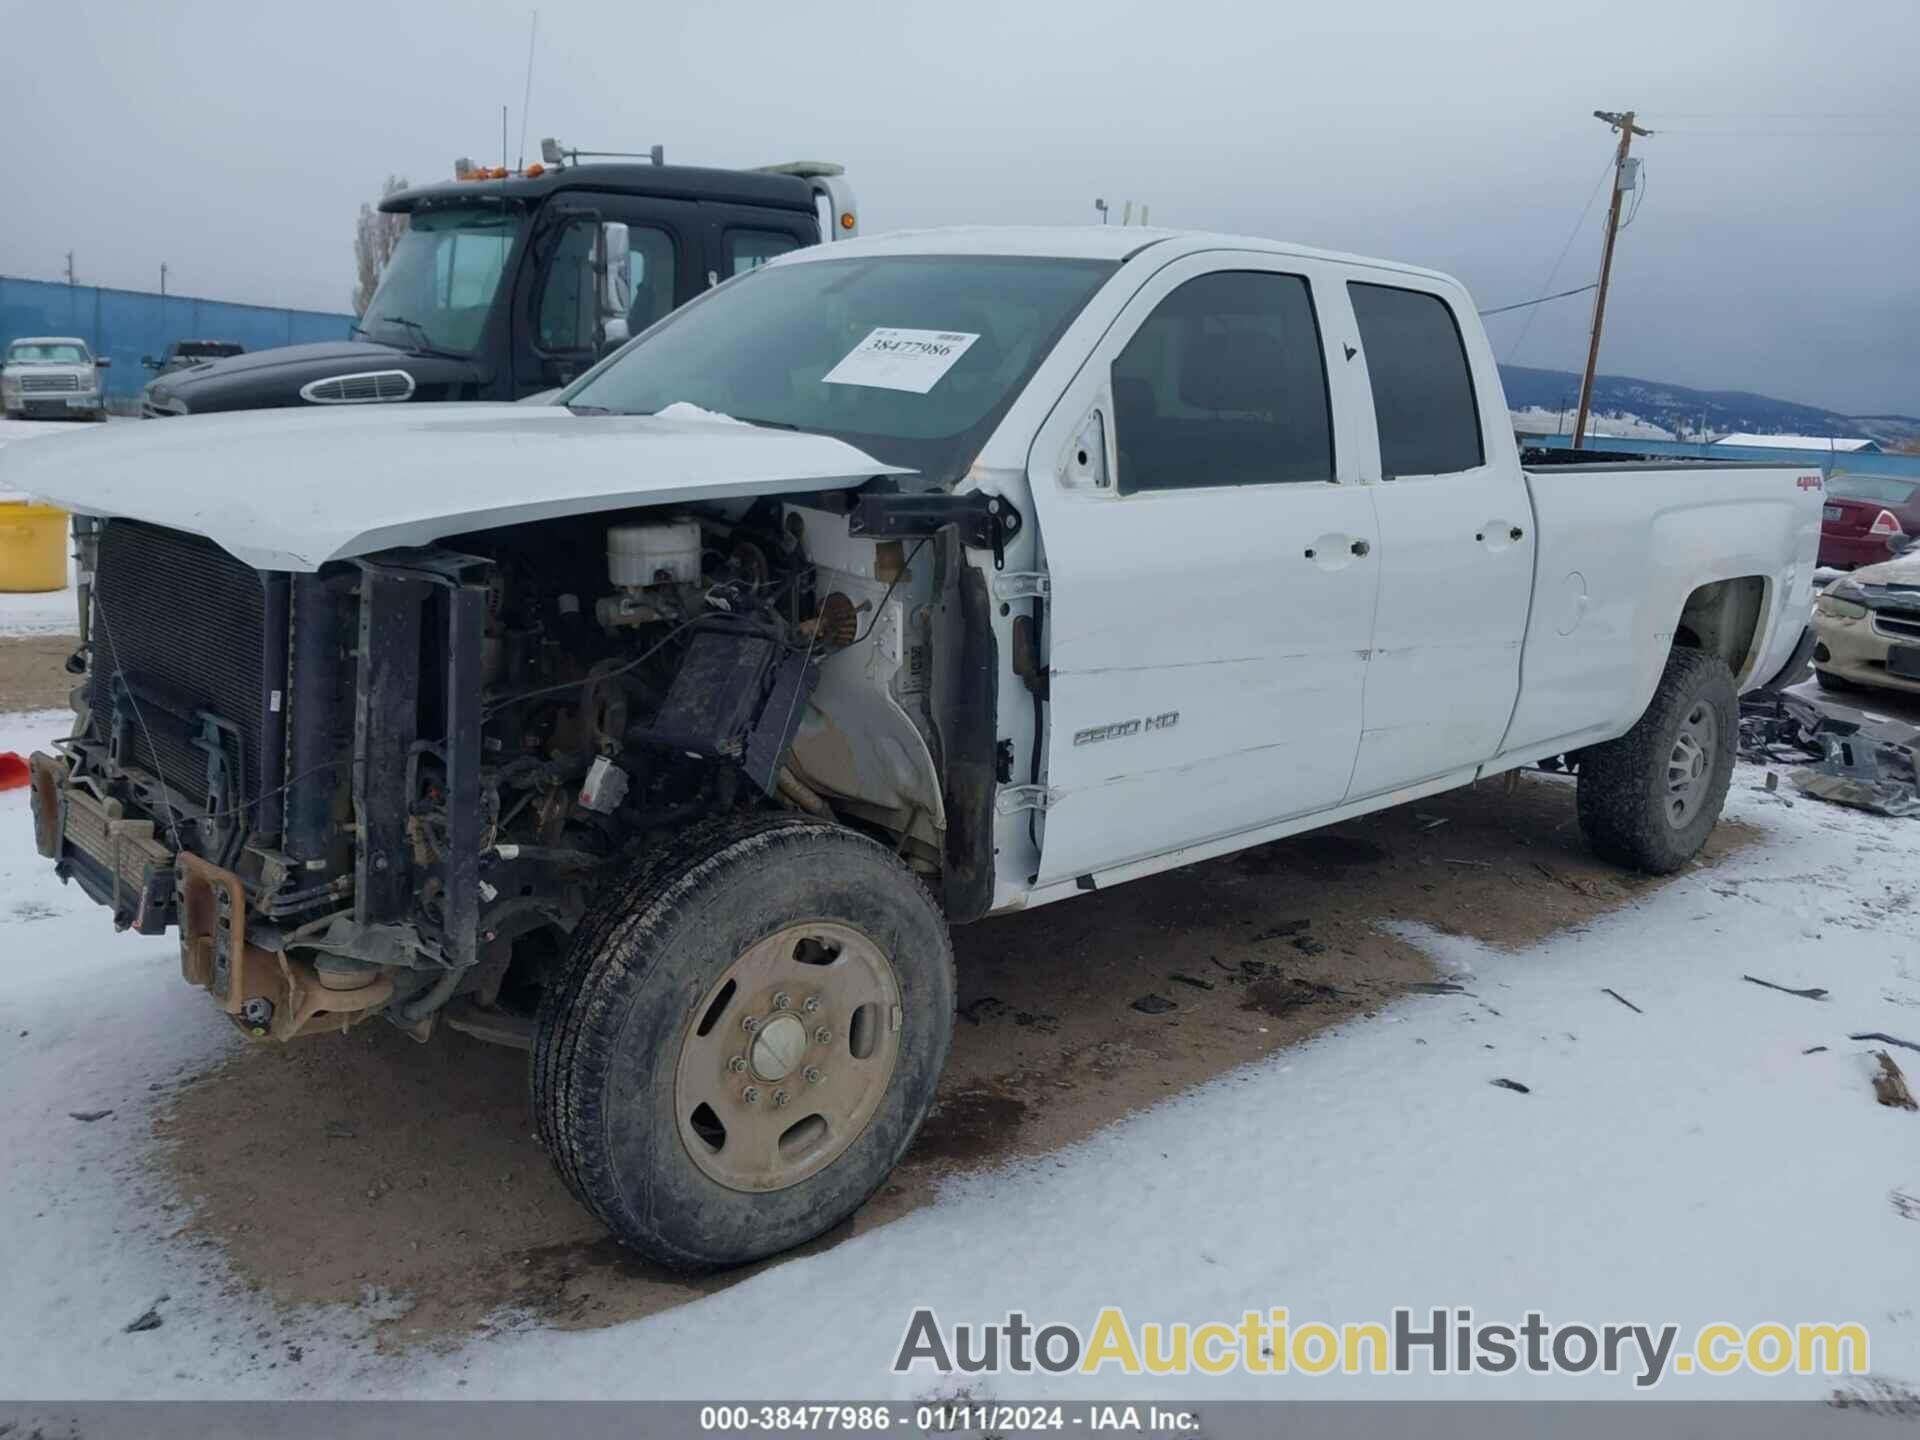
813,1076
751,1095
823,1035
780,1097
750,1024
782,1001
813,1004
737,1064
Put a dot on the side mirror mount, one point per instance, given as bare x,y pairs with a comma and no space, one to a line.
614,332
1899,542
150,362
103,363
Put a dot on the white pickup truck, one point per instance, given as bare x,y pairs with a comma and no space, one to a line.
665,729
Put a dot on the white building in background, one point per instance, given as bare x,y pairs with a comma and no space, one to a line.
1841,444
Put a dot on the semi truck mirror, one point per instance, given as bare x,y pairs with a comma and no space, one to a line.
613,270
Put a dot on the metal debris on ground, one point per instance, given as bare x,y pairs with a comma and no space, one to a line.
1890,1086
1840,753
1812,993
1506,1084
1154,1005
1885,1039
1280,931
87,1117
1604,990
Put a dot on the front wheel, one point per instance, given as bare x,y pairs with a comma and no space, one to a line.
1650,798
744,1039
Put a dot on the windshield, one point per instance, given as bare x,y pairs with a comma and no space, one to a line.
41,352
912,358
1876,488
439,286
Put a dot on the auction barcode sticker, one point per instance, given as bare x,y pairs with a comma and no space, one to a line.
892,359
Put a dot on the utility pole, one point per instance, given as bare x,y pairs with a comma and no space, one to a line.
1624,124
163,279
70,267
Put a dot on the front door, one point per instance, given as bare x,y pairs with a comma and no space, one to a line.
1212,561
1456,547
557,322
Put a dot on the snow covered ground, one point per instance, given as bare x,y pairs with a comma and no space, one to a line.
1696,1158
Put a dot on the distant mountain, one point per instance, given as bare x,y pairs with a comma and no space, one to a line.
1681,409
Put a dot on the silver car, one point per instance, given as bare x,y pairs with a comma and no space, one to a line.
52,377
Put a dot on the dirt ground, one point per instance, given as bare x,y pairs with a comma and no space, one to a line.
363,1167
33,672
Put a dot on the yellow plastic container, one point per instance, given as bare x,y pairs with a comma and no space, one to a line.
33,547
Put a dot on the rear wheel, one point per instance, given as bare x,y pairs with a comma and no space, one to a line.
744,1039
1650,798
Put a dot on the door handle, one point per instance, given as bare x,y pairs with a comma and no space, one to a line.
1360,547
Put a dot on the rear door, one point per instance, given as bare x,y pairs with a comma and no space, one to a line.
1456,539
1212,562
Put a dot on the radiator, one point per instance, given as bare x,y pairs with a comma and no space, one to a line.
184,623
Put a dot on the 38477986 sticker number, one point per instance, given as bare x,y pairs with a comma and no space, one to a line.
895,359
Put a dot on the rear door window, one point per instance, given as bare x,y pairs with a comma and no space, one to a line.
1423,398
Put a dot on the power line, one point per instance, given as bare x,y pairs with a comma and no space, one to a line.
1514,349
1786,114
1523,304
1796,134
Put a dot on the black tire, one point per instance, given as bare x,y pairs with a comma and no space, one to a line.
1624,800
1827,680
636,983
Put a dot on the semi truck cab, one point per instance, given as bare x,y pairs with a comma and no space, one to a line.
506,284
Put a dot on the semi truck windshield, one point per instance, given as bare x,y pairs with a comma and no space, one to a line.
440,283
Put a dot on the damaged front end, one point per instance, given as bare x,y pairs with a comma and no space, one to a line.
389,787
239,765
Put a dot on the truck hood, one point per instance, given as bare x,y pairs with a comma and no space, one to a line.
262,379
1901,570
293,489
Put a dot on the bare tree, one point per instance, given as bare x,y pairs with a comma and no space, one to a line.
375,234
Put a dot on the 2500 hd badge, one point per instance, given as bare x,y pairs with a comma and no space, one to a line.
1120,729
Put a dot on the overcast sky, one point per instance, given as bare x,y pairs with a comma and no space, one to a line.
1775,247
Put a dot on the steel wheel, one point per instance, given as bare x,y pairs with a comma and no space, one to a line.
1690,765
785,1060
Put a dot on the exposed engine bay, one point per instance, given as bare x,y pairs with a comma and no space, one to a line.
390,786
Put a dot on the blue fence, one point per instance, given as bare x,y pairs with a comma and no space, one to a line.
124,325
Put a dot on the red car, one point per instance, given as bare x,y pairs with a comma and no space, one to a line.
1863,513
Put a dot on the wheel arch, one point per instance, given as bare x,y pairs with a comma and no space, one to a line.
1726,618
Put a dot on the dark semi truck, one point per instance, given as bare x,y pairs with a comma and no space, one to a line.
507,284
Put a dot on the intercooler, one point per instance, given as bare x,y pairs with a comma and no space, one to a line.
181,625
